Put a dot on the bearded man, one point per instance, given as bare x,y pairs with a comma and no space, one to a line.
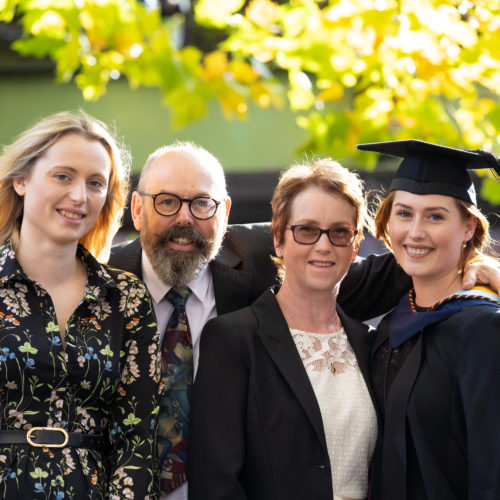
181,209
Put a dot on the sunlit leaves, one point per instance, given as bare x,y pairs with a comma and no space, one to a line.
381,70
352,70
490,191
263,13
7,10
215,13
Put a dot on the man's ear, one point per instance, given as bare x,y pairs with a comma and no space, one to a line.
136,209
227,205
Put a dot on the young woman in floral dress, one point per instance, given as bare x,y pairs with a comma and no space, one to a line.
78,340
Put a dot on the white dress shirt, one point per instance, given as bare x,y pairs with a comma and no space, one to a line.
200,307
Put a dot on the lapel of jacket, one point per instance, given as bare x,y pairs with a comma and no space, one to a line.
127,256
278,341
394,447
231,286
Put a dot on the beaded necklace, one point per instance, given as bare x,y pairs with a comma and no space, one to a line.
463,294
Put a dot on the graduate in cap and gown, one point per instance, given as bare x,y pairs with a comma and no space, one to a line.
436,359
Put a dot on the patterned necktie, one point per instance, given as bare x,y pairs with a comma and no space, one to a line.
177,372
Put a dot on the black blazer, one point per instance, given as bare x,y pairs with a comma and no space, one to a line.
256,430
243,270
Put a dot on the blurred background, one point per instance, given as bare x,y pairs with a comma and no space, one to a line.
261,83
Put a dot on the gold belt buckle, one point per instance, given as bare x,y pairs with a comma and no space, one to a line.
44,445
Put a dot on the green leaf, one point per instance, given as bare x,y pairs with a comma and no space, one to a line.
52,327
490,190
131,419
26,347
7,10
106,351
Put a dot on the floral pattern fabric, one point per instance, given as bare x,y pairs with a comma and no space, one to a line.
105,381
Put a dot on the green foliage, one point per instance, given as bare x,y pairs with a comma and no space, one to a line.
352,70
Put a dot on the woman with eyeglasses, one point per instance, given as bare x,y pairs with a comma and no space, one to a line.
79,363
281,406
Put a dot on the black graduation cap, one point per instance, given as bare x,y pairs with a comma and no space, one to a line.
433,169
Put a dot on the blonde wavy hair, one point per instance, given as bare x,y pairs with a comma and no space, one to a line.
18,159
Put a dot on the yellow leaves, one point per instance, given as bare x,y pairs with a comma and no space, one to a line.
419,89
300,94
267,94
215,13
263,13
215,65
341,10
373,68
42,5
50,23
232,103
87,20
379,103
407,121
332,93
243,72
7,10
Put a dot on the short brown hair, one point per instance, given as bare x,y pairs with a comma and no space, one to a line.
326,174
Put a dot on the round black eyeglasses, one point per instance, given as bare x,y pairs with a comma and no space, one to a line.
167,204
339,236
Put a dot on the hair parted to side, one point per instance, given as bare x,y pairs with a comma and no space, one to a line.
187,148
326,174
18,159
477,246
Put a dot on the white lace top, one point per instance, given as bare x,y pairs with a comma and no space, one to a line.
349,418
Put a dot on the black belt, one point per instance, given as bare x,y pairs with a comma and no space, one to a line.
53,437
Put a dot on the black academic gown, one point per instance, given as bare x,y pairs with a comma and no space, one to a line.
441,435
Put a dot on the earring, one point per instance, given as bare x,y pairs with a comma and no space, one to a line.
464,244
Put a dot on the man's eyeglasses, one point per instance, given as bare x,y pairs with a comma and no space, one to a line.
339,236
167,204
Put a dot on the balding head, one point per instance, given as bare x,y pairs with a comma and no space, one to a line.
187,150
178,245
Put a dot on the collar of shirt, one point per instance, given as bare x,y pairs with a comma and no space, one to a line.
98,278
200,306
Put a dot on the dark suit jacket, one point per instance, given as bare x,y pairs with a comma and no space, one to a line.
243,270
256,430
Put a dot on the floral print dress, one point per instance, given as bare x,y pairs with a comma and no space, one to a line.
104,382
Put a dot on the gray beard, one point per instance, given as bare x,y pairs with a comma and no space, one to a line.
178,268
175,267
